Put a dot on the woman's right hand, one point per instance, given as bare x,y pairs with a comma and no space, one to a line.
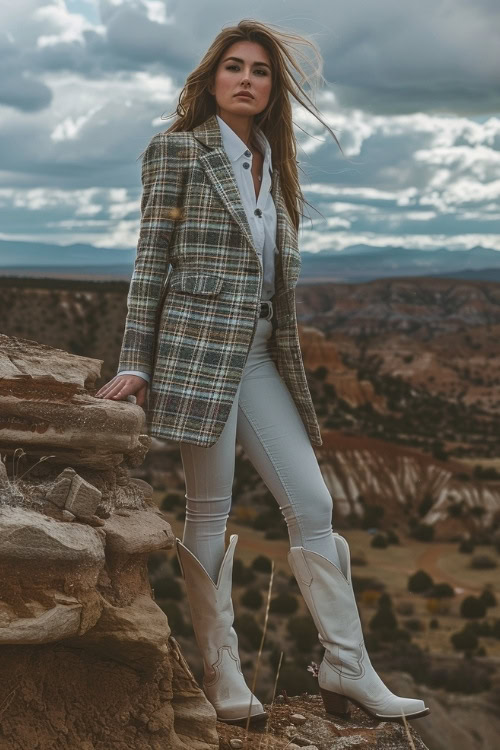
121,386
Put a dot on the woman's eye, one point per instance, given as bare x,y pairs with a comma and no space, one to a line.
259,70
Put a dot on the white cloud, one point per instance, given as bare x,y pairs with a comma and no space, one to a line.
87,82
67,25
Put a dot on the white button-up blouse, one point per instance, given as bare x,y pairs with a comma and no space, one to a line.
260,211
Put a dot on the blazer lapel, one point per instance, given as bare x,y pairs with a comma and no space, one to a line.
219,171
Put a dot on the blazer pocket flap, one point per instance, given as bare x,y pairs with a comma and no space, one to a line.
193,282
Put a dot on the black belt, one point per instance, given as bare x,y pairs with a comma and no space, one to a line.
266,309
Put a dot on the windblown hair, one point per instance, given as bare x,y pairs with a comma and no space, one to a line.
196,103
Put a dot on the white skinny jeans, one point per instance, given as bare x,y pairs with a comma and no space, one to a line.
265,422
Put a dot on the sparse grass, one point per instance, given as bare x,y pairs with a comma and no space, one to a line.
264,631
408,735
12,494
272,704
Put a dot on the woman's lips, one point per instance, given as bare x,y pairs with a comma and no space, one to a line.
245,96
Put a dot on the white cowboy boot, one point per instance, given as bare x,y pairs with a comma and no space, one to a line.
212,616
346,671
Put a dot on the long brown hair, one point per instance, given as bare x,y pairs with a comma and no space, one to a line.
196,103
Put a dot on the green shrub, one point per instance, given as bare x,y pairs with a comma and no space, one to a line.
423,532
276,532
472,607
405,608
483,628
252,598
391,537
483,562
168,588
274,657
425,505
246,626
441,591
384,618
172,500
414,624
295,679
495,629
379,541
373,514
264,520
242,574
154,562
303,630
466,546
389,637
358,560
175,565
176,619
262,564
419,582
405,656
488,598
360,584
283,604
467,678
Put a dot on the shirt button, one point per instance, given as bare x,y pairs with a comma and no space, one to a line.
248,153
258,212
246,164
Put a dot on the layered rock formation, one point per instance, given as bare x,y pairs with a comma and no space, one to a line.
87,657
399,478
319,351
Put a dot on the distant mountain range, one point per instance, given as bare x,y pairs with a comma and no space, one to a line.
356,263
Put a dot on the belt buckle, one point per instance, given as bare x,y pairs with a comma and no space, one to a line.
269,303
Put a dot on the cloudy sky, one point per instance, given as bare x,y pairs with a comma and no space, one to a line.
412,92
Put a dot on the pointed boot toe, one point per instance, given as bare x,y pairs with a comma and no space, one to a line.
235,713
228,692
412,708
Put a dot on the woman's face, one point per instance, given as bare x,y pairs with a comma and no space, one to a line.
250,72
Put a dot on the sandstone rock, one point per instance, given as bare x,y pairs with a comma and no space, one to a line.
45,401
48,574
72,492
86,656
139,533
29,537
145,488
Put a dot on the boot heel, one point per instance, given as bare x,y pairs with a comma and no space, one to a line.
335,703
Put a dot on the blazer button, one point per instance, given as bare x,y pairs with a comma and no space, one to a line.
246,164
258,212
248,153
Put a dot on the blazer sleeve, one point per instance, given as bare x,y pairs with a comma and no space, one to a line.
161,197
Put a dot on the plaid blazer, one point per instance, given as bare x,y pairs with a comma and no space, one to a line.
195,292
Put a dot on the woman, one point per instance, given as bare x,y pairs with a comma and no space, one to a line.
218,347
